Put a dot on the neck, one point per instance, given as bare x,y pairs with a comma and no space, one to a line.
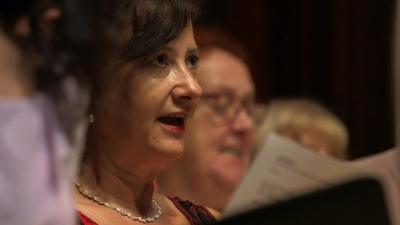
117,172
174,182
115,185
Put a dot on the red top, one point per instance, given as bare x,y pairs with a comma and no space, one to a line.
197,215
85,220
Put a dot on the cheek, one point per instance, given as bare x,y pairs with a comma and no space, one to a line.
202,141
249,141
205,133
197,138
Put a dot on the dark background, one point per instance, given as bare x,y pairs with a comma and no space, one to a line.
337,52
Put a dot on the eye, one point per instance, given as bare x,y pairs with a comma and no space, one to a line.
192,61
221,104
220,109
161,60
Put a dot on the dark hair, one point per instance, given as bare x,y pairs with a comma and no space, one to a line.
69,39
154,23
65,49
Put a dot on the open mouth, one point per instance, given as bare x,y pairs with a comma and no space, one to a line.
175,124
178,121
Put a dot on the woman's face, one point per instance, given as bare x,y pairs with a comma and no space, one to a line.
147,111
219,143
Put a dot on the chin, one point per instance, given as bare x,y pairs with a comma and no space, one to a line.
228,173
172,149
227,180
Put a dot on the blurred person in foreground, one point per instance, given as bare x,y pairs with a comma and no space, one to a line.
219,136
304,121
45,77
139,116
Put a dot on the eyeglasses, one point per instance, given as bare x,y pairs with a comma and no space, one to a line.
226,106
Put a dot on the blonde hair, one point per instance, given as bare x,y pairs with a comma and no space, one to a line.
293,115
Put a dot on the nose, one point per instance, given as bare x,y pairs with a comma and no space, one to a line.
243,122
187,91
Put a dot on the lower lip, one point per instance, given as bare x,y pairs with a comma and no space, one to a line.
177,130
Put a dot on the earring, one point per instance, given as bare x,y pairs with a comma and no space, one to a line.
91,118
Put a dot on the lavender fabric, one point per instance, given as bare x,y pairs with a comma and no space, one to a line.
35,188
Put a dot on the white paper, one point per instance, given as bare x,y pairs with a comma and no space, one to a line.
386,165
284,169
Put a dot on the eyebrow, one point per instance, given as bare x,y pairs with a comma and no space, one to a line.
194,51
173,50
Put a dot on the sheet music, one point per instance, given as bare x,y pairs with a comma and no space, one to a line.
387,166
284,169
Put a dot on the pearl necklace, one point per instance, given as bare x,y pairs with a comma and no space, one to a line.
149,219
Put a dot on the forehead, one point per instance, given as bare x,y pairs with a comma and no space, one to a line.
186,36
221,71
